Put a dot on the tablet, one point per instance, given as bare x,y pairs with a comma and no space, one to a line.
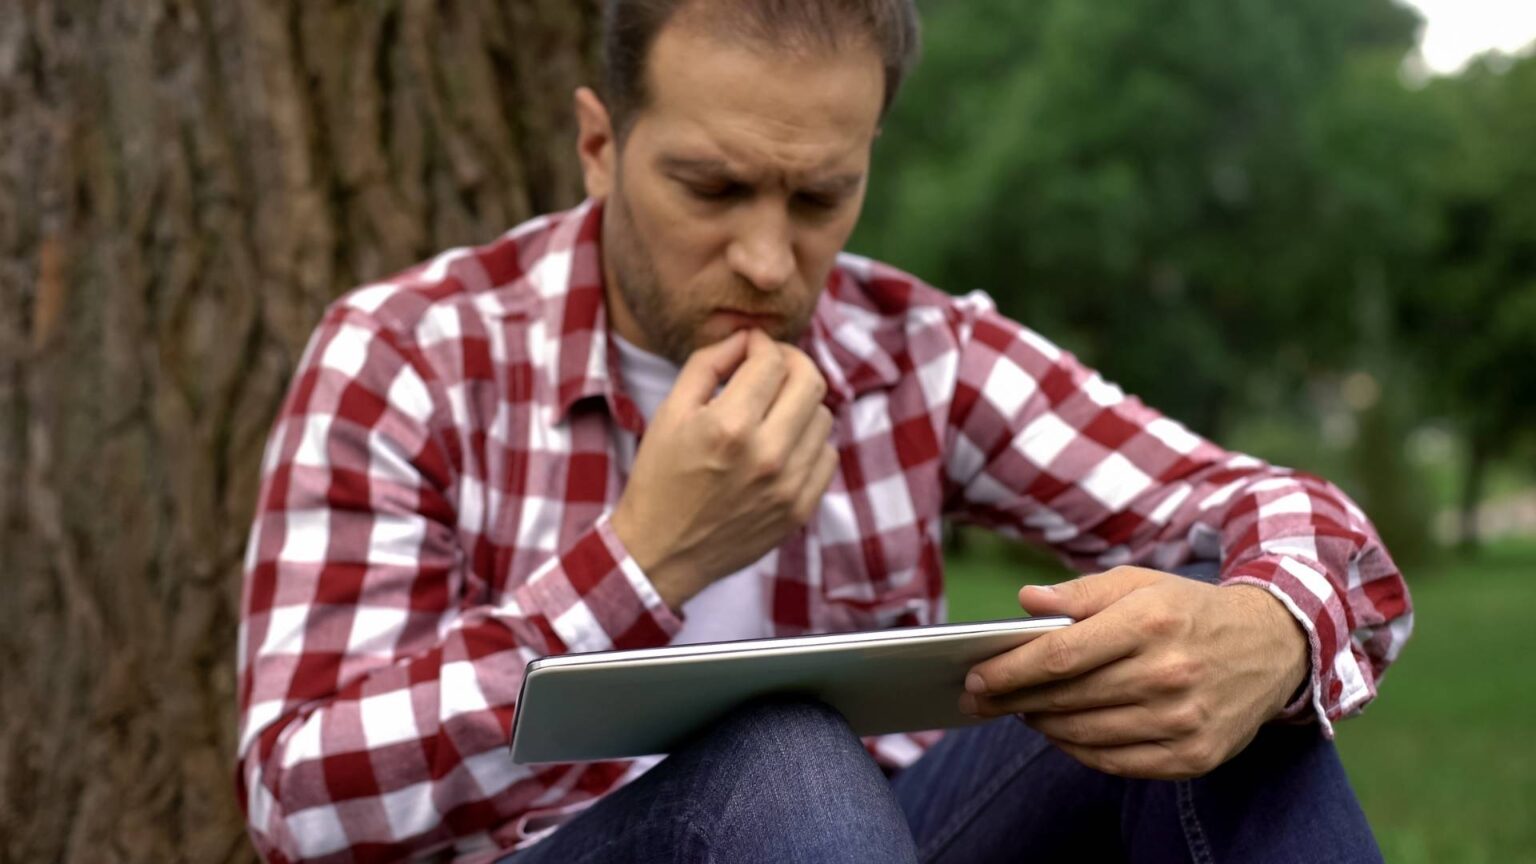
623,704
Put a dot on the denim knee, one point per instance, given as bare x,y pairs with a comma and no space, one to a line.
796,746
771,722
801,788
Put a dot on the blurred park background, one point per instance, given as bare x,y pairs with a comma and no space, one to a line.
1296,225
1287,225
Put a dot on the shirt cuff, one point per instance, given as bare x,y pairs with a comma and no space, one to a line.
1312,601
596,598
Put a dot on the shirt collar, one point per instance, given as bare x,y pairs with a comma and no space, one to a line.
569,279
842,339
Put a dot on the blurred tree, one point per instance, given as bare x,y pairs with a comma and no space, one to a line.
183,186
1477,315
1200,197
1186,193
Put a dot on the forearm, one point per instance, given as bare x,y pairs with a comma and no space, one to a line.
378,668
1303,542
329,738
1044,448
396,739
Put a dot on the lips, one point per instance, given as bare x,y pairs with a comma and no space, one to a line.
752,319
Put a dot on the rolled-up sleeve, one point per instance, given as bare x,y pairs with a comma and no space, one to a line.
1042,447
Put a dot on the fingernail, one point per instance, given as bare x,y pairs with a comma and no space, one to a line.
975,684
1049,589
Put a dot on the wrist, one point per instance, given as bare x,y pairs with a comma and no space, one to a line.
667,575
1287,640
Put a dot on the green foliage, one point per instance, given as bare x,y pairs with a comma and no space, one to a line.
1477,317
1181,192
1225,205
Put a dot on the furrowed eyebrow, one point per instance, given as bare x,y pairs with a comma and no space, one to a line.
835,186
840,185
680,164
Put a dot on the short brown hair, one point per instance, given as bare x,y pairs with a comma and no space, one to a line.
630,28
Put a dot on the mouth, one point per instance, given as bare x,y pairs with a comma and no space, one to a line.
740,319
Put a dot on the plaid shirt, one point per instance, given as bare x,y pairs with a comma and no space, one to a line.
435,513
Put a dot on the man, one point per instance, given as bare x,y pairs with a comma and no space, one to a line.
679,413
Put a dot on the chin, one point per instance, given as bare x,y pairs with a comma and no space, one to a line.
711,333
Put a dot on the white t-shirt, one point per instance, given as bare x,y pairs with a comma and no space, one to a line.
733,607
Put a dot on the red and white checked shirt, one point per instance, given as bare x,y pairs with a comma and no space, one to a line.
435,513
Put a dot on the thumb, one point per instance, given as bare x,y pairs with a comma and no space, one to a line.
1086,595
707,368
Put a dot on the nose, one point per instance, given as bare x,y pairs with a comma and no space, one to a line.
762,251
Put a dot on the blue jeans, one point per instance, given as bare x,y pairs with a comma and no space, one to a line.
786,780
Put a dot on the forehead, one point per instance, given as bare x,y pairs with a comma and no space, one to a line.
758,108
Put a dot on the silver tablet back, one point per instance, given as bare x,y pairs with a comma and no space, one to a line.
621,704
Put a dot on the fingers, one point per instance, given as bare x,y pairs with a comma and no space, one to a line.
1101,727
816,485
1121,612
1150,760
806,448
799,400
799,423
1086,595
773,402
1166,758
755,386
1059,654
707,367
1122,682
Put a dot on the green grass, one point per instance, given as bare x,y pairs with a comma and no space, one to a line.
1445,760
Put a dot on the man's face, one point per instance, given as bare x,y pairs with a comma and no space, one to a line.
735,189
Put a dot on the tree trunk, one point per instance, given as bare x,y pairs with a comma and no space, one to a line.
184,185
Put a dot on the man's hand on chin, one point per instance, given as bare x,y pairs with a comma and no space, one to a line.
1161,677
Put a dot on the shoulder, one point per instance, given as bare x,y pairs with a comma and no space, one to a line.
887,322
467,289
884,295
883,325
879,297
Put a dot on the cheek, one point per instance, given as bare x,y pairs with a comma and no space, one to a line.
697,278
682,245
818,251
690,250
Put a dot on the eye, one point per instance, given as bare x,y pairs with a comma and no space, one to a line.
817,203
716,191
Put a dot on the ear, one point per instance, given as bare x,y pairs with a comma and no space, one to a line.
595,143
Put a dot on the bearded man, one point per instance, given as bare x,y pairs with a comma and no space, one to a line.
680,412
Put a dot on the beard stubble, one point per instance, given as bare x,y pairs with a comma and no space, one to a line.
673,328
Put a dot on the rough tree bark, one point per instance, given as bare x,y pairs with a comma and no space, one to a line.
184,185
